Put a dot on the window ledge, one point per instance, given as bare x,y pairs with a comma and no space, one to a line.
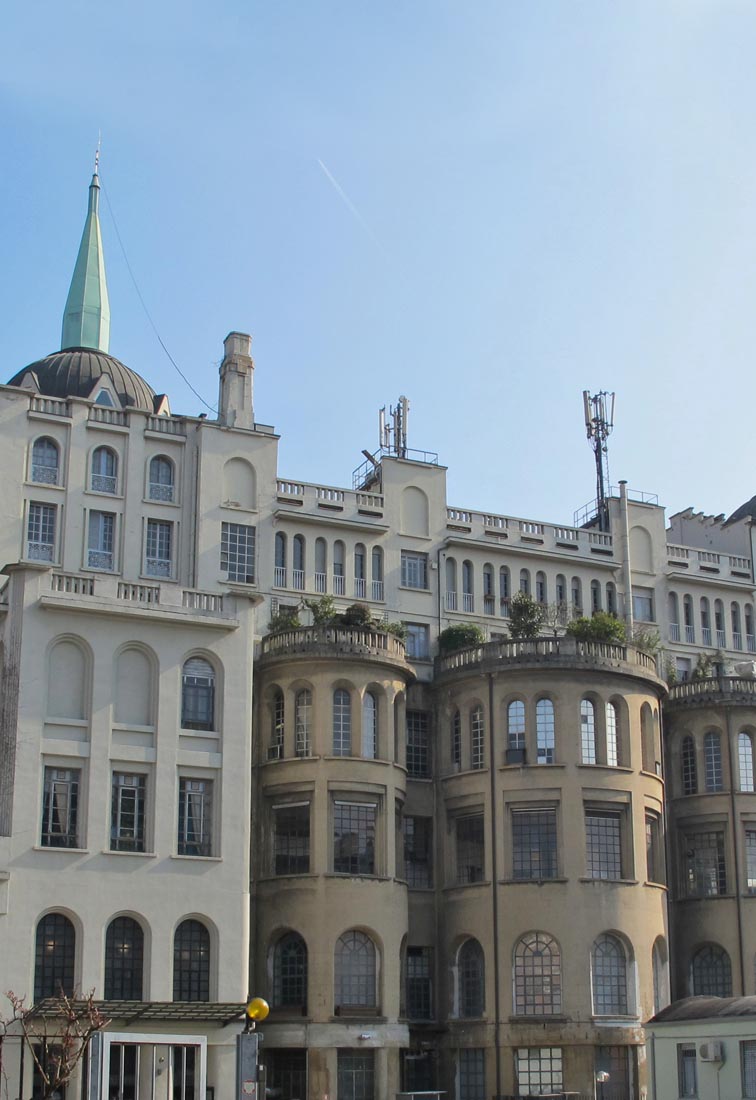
137,855
162,503
538,1017
610,881
348,875
412,588
467,885
297,876
199,733
360,1014
656,885
63,851
200,859
519,767
36,485
703,897
105,496
619,1020
611,768
532,881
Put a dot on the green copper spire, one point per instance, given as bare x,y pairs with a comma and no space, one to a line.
86,321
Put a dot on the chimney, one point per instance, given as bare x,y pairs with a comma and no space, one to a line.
236,382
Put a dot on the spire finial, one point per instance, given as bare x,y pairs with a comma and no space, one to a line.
86,320
97,152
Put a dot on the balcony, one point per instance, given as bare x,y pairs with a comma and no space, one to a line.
157,602
714,690
328,642
689,559
573,541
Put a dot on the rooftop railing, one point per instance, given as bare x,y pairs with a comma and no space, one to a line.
692,691
344,639
692,560
546,650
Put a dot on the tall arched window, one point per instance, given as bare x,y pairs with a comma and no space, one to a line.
369,726
525,581
279,573
737,636
360,572
537,975
302,722
560,591
277,715
545,731
612,750
104,470
45,461
376,573
587,732
745,760
451,584
471,974
339,557
191,962
55,957
161,478
298,571
477,737
750,639
577,596
595,596
456,737
719,624
124,960
198,695
711,972
541,590
516,724
705,621
489,591
689,768
611,598
713,761
321,566
505,590
342,723
468,598
609,977
690,627
290,973
355,966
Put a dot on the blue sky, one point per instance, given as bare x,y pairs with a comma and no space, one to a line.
536,197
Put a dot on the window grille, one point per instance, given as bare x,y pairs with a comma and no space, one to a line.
127,816
354,838
191,962
604,843
195,817
537,976
291,839
471,969
534,844
418,848
60,808
55,957
355,971
418,744
100,542
104,470
161,479
238,552
124,960
342,723
687,1070
470,851
290,973
477,738
711,972
45,462
609,977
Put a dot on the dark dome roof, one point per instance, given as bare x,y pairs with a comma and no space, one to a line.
74,372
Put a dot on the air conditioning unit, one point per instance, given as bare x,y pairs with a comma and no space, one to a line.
275,752
713,1051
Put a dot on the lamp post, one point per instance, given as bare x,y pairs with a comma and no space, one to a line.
601,1078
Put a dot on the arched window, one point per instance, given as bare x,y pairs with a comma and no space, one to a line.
525,581
577,596
124,960
560,590
471,973
713,761
673,611
690,628
55,957
298,572
355,960
277,725
360,572
342,723
609,977
541,590
705,621
545,731
611,598
104,470
711,972
468,599
161,478
587,732
451,584
302,722
647,739
689,769
290,973
489,591
45,461
191,962
369,726
516,724
376,572
745,760
321,566
505,590
456,738
737,636
279,576
612,751
198,695
595,596
750,639
339,556
719,624
477,737
537,976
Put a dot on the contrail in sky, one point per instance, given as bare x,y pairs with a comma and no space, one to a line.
351,207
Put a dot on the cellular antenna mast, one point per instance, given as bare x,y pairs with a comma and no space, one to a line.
599,421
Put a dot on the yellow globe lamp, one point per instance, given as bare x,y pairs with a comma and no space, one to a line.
257,1009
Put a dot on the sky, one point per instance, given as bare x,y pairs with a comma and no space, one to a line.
488,206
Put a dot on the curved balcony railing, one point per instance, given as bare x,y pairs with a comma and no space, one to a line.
563,651
733,688
342,639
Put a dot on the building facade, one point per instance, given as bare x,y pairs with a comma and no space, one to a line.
478,872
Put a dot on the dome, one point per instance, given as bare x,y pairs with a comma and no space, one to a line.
75,372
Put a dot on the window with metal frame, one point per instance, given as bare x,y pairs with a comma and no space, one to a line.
356,971
654,849
516,724
603,830
40,532
471,1073
418,850
127,812
124,960
713,761
191,962
60,808
45,466
612,751
417,641
161,483
55,957
750,857
456,737
198,695
470,848
291,838
158,558
609,977
418,972
687,1070
471,971
418,744
711,972
277,715
414,573
587,731
195,817
100,542
704,866
355,1073
354,826
104,470
748,1068
689,768
538,1070
745,761
302,722
342,723
537,975
534,844
369,726
238,552
477,738
290,973
545,743
286,1072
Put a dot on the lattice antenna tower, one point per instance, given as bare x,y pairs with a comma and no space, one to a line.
599,421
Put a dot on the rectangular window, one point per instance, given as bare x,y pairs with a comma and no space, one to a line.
748,1068
534,844
158,548
418,851
195,817
291,839
654,849
418,745
356,1074
414,569
238,552
417,641
539,1070
100,541
40,532
127,813
616,1062
419,973
60,808
470,849
705,870
286,1072
687,1070
472,1074
354,838
603,834
750,852
643,605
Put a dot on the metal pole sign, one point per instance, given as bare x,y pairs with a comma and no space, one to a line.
247,1071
